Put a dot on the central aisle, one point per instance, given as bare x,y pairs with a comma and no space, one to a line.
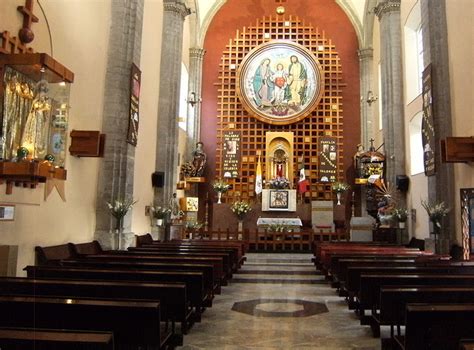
279,301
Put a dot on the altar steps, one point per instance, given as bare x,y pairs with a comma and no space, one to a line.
279,269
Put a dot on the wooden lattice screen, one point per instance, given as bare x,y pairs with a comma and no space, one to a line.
325,120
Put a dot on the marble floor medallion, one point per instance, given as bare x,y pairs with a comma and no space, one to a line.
279,308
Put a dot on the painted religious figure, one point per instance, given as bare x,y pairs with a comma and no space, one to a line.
280,82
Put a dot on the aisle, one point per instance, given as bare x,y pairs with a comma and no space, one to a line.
279,301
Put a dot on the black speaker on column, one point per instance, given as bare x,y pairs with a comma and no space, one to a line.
402,182
158,179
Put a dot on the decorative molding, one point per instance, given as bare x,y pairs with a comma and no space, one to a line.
386,7
349,10
197,52
366,53
176,7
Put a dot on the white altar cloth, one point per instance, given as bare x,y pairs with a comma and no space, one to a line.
279,221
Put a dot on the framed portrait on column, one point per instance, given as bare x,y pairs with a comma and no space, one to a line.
134,114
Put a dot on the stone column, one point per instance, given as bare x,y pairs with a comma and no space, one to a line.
193,123
388,13
168,103
117,167
435,51
366,58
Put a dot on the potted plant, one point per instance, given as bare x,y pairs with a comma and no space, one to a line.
159,215
401,215
240,209
220,186
193,227
339,188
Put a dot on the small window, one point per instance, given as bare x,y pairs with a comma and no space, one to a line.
416,145
414,65
183,95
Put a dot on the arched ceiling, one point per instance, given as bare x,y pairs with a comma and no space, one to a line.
355,9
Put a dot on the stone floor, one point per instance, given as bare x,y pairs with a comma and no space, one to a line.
279,301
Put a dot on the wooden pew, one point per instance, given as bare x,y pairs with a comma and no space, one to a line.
142,252
370,285
436,326
215,262
206,270
54,339
354,273
193,280
172,296
133,323
393,302
185,248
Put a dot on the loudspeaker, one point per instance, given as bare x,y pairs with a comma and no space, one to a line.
158,179
402,182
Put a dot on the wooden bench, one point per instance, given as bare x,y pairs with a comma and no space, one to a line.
233,253
393,302
172,296
436,326
133,323
218,273
370,285
206,270
54,339
198,297
225,259
354,273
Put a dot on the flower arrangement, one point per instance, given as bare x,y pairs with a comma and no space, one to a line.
119,209
400,214
160,212
240,208
194,225
278,228
279,183
220,186
340,187
436,211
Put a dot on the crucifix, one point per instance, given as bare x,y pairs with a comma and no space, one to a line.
25,34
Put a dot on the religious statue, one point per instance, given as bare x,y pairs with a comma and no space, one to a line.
195,168
174,208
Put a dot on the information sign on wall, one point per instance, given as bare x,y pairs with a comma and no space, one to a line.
427,125
327,159
231,154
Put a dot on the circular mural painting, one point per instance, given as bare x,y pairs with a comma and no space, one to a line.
279,82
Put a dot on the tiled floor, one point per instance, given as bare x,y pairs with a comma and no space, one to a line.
276,313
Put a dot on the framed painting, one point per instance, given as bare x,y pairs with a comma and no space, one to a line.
279,200
279,82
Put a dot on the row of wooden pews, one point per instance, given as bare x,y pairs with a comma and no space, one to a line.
426,300
145,298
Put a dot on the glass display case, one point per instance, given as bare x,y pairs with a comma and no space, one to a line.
34,105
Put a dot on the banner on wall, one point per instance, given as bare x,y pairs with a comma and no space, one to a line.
231,154
427,125
135,80
327,159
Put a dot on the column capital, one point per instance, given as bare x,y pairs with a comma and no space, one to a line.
176,7
366,53
386,7
197,52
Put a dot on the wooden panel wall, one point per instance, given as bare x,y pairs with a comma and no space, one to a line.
325,120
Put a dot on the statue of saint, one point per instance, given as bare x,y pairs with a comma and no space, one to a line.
174,207
199,160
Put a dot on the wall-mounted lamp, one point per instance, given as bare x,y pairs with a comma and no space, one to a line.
193,99
371,97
